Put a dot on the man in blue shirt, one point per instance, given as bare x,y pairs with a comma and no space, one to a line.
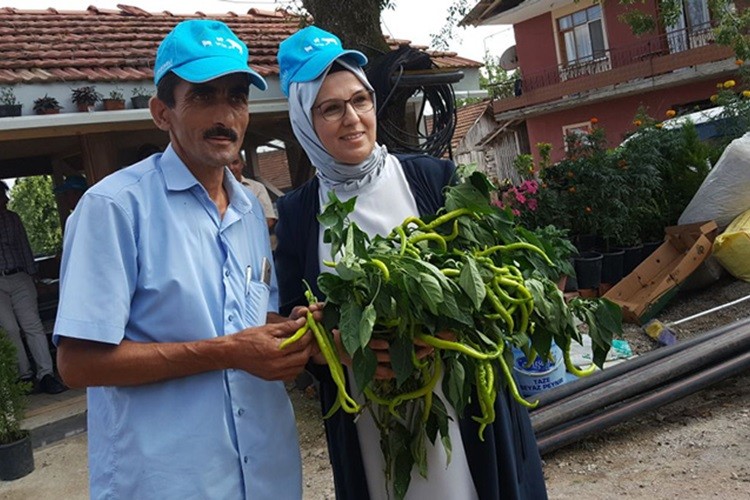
168,300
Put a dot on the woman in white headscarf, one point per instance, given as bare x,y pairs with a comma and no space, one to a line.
331,107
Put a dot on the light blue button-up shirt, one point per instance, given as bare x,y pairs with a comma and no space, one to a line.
147,258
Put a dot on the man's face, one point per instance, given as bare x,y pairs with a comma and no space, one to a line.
236,167
208,121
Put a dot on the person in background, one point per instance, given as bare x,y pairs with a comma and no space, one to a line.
332,110
19,309
69,193
168,298
258,189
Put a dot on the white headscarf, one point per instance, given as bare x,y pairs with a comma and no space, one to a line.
331,173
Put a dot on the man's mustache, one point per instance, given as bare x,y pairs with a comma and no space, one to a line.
220,132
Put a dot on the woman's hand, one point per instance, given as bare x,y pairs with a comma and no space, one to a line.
381,347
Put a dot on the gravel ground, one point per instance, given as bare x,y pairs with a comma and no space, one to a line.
694,448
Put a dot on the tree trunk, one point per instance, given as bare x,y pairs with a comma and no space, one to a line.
357,24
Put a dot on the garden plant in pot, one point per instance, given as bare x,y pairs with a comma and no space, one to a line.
9,105
86,97
46,105
140,98
16,453
115,100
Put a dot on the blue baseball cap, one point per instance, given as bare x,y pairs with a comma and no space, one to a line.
305,55
72,182
200,50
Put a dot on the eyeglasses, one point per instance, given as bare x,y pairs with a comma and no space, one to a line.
334,109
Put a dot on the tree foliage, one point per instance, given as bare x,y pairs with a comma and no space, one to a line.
33,200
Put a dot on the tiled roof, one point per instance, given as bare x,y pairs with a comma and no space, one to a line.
466,117
275,169
52,45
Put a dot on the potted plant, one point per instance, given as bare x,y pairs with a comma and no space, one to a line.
114,101
86,97
16,453
46,105
9,105
140,98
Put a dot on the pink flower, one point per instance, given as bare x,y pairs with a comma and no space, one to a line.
516,212
532,204
520,198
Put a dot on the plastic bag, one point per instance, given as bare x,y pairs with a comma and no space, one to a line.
732,247
725,192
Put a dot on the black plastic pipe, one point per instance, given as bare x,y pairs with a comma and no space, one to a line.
561,436
730,344
578,386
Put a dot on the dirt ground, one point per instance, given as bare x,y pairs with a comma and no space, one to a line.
695,448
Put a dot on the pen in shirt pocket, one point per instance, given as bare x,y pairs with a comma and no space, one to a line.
248,278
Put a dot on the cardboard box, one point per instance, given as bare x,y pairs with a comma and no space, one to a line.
651,285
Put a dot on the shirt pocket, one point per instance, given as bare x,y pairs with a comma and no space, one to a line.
256,303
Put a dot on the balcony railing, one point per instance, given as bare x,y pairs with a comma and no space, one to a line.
661,45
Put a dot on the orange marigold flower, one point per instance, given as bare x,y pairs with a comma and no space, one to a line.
637,123
729,84
572,189
659,125
719,85
714,98
671,113
588,210
746,93
594,120
739,62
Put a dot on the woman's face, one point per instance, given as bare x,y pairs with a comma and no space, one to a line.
351,138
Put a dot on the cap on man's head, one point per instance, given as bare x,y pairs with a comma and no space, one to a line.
72,182
200,50
305,55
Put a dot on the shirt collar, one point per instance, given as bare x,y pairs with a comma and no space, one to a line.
178,177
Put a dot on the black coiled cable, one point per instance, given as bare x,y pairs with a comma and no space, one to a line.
393,89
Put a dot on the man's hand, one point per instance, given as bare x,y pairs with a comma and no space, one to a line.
256,350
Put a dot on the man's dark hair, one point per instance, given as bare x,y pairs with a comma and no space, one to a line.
166,86
4,186
165,89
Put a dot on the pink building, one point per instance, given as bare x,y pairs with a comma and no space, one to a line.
578,61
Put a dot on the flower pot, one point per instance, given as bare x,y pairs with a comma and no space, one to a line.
113,104
84,107
650,247
16,459
140,101
612,266
48,111
633,256
588,266
10,110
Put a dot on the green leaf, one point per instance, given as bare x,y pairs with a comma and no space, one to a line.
351,317
364,364
401,350
430,291
454,384
471,282
366,323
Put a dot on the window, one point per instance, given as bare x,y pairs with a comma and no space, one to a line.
579,131
582,35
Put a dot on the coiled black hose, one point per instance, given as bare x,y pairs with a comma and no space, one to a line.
393,88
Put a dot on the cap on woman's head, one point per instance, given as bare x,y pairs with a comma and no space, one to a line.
305,55
200,50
